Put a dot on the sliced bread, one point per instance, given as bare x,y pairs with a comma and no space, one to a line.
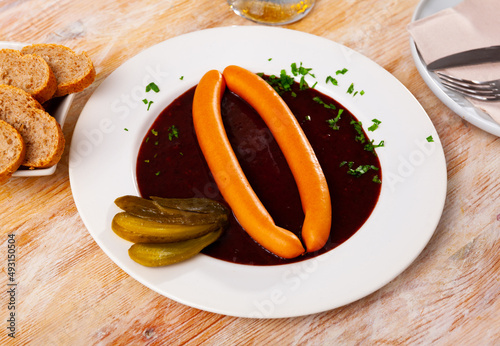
12,151
41,133
28,72
74,72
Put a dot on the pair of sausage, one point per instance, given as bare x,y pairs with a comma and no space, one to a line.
232,182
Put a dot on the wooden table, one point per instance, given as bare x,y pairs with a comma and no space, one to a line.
70,293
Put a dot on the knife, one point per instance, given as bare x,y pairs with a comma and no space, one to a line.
470,57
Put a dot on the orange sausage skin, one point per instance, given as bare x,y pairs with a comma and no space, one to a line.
227,172
307,172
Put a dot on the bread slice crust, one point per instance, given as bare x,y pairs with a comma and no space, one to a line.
40,131
28,72
12,151
73,72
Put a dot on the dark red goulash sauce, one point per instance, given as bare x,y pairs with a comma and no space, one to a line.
177,168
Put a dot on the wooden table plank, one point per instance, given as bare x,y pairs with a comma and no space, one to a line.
71,293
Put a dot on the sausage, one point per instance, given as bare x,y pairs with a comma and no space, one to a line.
306,170
227,172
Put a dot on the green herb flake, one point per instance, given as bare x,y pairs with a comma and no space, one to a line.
154,132
147,139
145,101
362,92
147,161
173,132
269,59
157,173
350,89
371,146
308,118
358,127
331,80
280,84
125,129
181,78
343,71
375,125
430,139
303,84
149,104
152,86
156,143
358,171
320,101
332,123
377,180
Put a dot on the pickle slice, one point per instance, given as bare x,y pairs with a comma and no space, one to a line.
140,230
156,255
153,211
199,205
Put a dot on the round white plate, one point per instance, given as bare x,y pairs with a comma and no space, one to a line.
454,101
114,121
59,110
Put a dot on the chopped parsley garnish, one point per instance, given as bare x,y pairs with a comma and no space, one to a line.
125,129
173,132
332,123
308,118
147,103
147,161
375,125
343,71
281,84
154,132
152,86
301,70
182,78
320,101
359,171
430,139
157,173
350,89
371,147
331,80
359,129
377,180
269,59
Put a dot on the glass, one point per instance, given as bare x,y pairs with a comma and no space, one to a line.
273,12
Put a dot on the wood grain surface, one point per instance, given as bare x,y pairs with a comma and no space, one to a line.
70,293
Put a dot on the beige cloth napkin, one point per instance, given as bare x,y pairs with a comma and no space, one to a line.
469,25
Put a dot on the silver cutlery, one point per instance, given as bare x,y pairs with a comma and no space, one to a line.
479,90
470,57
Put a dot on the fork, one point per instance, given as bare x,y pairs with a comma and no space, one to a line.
485,91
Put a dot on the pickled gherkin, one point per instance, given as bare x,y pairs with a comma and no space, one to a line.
189,211
139,230
156,255
168,230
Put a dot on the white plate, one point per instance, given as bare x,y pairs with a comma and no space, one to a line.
59,109
103,156
454,101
